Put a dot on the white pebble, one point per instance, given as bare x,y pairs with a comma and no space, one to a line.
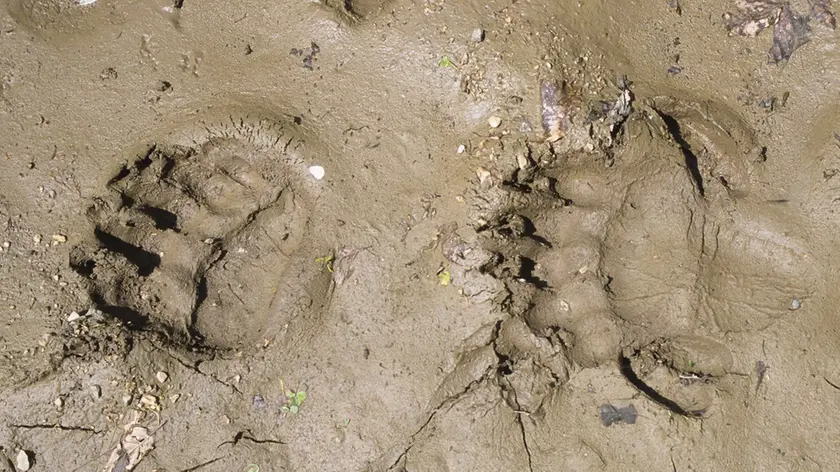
317,171
37,238
7,244
494,121
73,316
162,376
795,304
22,462
86,2
477,35
461,148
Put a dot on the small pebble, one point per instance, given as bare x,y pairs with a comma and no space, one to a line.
477,35
37,238
22,461
461,149
7,244
59,402
494,121
59,238
73,316
162,376
259,402
96,391
317,171
523,161
795,304
174,398
483,174
150,402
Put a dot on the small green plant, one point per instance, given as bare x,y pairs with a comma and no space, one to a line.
445,61
294,401
444,277
326,262
253,468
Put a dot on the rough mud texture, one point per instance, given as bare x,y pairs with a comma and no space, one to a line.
550,236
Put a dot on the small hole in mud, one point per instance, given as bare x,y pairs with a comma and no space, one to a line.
123,173
163,219
526,272
83,268
130,318
201,292
145,261
144,163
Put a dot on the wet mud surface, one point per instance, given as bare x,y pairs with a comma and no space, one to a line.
548,236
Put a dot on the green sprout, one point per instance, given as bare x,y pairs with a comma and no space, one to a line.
295,400
326,262
253,468
444,277
445,61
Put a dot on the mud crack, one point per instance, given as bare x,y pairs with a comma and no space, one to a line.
691,161
195,367
247,435
525,441
58,426
628,373
203,464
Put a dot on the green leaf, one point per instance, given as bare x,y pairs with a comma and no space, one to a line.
445,61
300,397
253,468
293,409
290,394
445,277
346,421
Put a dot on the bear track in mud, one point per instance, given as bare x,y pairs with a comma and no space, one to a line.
198,234
630,255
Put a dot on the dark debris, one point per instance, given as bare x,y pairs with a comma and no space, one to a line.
308,57
791,29
675,6
752,17
821,12
760,373
789,33
611,415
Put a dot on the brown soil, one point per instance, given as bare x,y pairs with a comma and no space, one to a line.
669,256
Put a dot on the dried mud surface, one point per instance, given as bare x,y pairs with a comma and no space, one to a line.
653,287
